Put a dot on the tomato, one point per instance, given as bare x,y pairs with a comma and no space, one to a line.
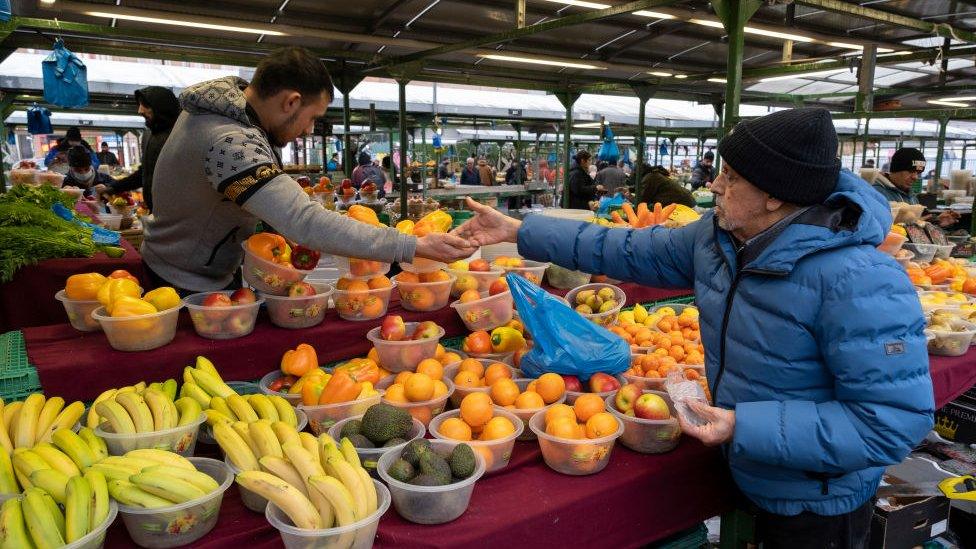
478,343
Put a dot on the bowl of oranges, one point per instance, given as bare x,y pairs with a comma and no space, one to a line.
475,375
577,439
649,371
358,299
424,291
480,312
422,393
352,267
526,397
490,431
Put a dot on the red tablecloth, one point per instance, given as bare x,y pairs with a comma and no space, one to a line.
77,365
636,500
952,376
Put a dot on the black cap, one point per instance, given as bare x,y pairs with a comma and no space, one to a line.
790,154
364,159
73,134
78,157
907,159
709,156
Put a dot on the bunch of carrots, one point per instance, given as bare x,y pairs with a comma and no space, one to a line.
643,216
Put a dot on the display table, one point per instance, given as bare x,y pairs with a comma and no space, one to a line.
636,500
78,366
952,376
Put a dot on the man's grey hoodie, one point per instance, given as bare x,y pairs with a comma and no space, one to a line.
217,176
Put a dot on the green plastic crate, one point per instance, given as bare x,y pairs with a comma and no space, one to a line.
693,538
17,377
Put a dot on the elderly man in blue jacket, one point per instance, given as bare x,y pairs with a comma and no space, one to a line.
813,338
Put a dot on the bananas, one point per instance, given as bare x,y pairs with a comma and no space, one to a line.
44,520
162,410
77,508
13,529
95,443
129,494
100,501
189,411
117,417
288,498
134,410
161,457
69,415
8,481
76,448
263,407
151,478
25,427
166,486
235,447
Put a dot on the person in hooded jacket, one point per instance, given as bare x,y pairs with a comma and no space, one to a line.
581,186
160,108
57,158
657,186
815,347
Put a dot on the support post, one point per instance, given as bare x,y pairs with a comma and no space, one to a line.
864,147
519,13
644,94
864,100
940,151
568,99
734,14
518,153
674,142
657,146
345,83
404,187
857,131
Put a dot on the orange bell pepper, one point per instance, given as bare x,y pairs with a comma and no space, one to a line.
270,247
122,273
300,360
363,215
340,388
84,287
362,369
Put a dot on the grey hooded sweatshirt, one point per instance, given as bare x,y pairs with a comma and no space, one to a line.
217,176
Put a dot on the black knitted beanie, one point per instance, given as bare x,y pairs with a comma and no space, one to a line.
791,154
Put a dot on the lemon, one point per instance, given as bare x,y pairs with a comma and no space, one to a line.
626,317
640,313
666,311
691,312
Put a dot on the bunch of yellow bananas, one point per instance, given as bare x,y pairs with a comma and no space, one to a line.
37,519
150,478
35,419
142,409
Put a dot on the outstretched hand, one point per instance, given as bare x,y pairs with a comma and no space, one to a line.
488,226
444,247
718,426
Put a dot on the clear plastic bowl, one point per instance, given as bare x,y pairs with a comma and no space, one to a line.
525,414
678,308
486,313
949,305
370,456
222,322
505,358
603,319
533,271
111,222
139,333
323,416
892,243
574,457
943,252
399,356
952,343
298,312
483,278
351,267
423,265
358,535
181,440
294,398
79,312
924,253
645,383
496,453
571,396
361,305
904,257
182,524
564,279
424,296
648,436
422,411
96,538
451,370
431,504
251,500
268,277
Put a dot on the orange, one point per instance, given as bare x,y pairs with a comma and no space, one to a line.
418,298
421,413
408,277
676,352
600,425
504,392
431,367
454,428
343,283
473,366
469,295
373,307
495,372
497,427
588,405
563,427
440,388
550,387
529,401
439,352
436,276
487,455
450,358
558,411
466,379
394,393
532,386
378,282
476,409
418,388
357,286
402,377
374,355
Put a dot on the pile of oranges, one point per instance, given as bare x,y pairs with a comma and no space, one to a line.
672,344
477,421
658,367
420,386
472,373
587,418
443,356
422,298
357,300
547,389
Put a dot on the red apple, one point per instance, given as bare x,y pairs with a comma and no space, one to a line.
214,303
573,384
301,289
282,384
426,330
601,383
626,396
239,323
651,406
242,296
203,324
498,287
479,266
346,184
393,328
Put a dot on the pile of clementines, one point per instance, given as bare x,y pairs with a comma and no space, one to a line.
656,366
586,418
472,374
477,421
548,389
422,385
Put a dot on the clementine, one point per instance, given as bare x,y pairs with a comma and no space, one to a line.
476,409
418,388
600,425
563,427
497,427
588,405
495,372
394,393
408,278
450,358
474,366
529,401
432,367
454,428
504,392
550,387
466,379
558,411
379,282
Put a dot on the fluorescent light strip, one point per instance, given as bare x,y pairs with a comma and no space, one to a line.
587,125
654,14
947,103
959,99
659,73
802,75
718,80
534,61
178,23
579,3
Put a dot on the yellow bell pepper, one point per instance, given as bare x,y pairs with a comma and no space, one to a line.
126,306
506,339
116,288
163,298
405,226
437,221
84,287
364,215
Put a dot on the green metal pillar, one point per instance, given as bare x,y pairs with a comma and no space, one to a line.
674,143
568,99
644,94
404,187
734,14
6,109
657,147
962,164
864,146
518,153
424,157
857,131
940,151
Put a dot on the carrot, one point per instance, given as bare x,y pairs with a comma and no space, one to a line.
641,209
631,214
644,219
615,216
657,213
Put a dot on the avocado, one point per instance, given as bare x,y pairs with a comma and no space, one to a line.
359,441
383,422
411,453
462,461
352,427
401,470
394,442
429,480
436,466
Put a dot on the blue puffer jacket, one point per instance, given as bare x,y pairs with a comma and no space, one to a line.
811,335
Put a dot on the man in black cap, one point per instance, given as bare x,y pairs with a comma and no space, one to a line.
704,172
814,341
81,173
106,156
907,166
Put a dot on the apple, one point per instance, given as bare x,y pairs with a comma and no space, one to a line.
601,383
214,303
346,184
282,384
651,406
242,296
203,325
517,359
464,283
239,323
499,286
301,289
393,328
469,296
626,396
573,384
479,266
426,330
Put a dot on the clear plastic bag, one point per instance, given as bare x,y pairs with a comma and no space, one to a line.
682,391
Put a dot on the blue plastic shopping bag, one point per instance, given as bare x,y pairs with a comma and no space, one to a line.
609,152
65,78
563,341
39,120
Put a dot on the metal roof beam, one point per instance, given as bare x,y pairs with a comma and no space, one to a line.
847,8
923,114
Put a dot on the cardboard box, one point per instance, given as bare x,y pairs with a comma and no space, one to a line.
907,522
956,421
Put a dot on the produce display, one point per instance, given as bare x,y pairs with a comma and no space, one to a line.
422,393
427,291
272,264
600,303
224,315
672,215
